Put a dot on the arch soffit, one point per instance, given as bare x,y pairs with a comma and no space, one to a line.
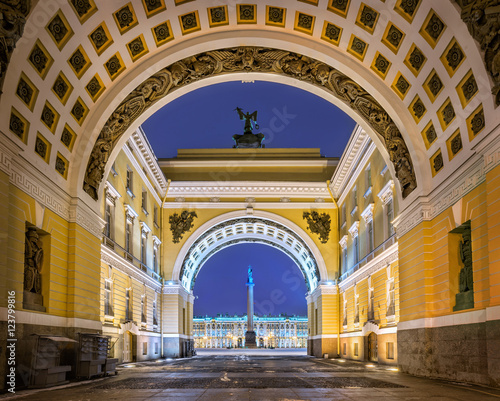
298,232
454,29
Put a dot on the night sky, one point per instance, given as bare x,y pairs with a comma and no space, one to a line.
289,118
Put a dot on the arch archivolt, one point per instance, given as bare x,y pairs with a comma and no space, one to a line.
260,227
251,59
314,43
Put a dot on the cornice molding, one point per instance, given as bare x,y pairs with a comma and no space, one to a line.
350,159
248,189
386,193
83,215
148,158
129,153
323,289
357,169
456,186
117,262
354,229
343,241
130,213
367,214
243,205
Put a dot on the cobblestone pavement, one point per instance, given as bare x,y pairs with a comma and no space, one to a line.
259,377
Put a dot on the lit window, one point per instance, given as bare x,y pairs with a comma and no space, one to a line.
390,218
108,306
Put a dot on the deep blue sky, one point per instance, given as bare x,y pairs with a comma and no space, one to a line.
221,283
289,118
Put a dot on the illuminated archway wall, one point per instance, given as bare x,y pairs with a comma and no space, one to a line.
77,61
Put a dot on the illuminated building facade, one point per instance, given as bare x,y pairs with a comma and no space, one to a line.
271,331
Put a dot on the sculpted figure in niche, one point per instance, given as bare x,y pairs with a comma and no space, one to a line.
466,277
33,258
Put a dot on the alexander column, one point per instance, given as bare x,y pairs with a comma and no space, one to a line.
250,334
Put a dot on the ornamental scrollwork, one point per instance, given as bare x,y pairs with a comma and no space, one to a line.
482,18
254,59
180,224
318,223
13,14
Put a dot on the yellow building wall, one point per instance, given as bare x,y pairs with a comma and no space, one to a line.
119,182
430,261
329,251
493,222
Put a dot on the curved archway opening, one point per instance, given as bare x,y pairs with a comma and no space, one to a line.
220,307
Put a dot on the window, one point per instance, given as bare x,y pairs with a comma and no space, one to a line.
156,348
390,217
155,258
356,308
113,170
391,307
390,350
144,203
128,237
155,318
369,235
130,182
143,249
143,309
344,218
354,197
371,304
356,349
368,175
144,348
356,250
108,301
128,312
155,215
108,220
344,259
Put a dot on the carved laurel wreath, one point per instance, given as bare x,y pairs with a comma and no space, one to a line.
253,59
318,224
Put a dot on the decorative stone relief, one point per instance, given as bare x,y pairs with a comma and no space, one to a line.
434,27
249,59
318,223
368,17
180,224
482,19
276,15
431,134
477,122
382,64
33,259
14,14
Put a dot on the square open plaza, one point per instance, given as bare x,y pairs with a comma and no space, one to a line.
397,240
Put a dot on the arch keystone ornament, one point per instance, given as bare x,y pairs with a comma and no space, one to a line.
249,59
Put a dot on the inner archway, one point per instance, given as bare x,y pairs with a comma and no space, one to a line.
221,304
260,227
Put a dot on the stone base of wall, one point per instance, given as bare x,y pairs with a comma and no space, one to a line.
319,346
468,353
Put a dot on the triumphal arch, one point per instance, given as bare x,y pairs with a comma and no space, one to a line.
409,253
